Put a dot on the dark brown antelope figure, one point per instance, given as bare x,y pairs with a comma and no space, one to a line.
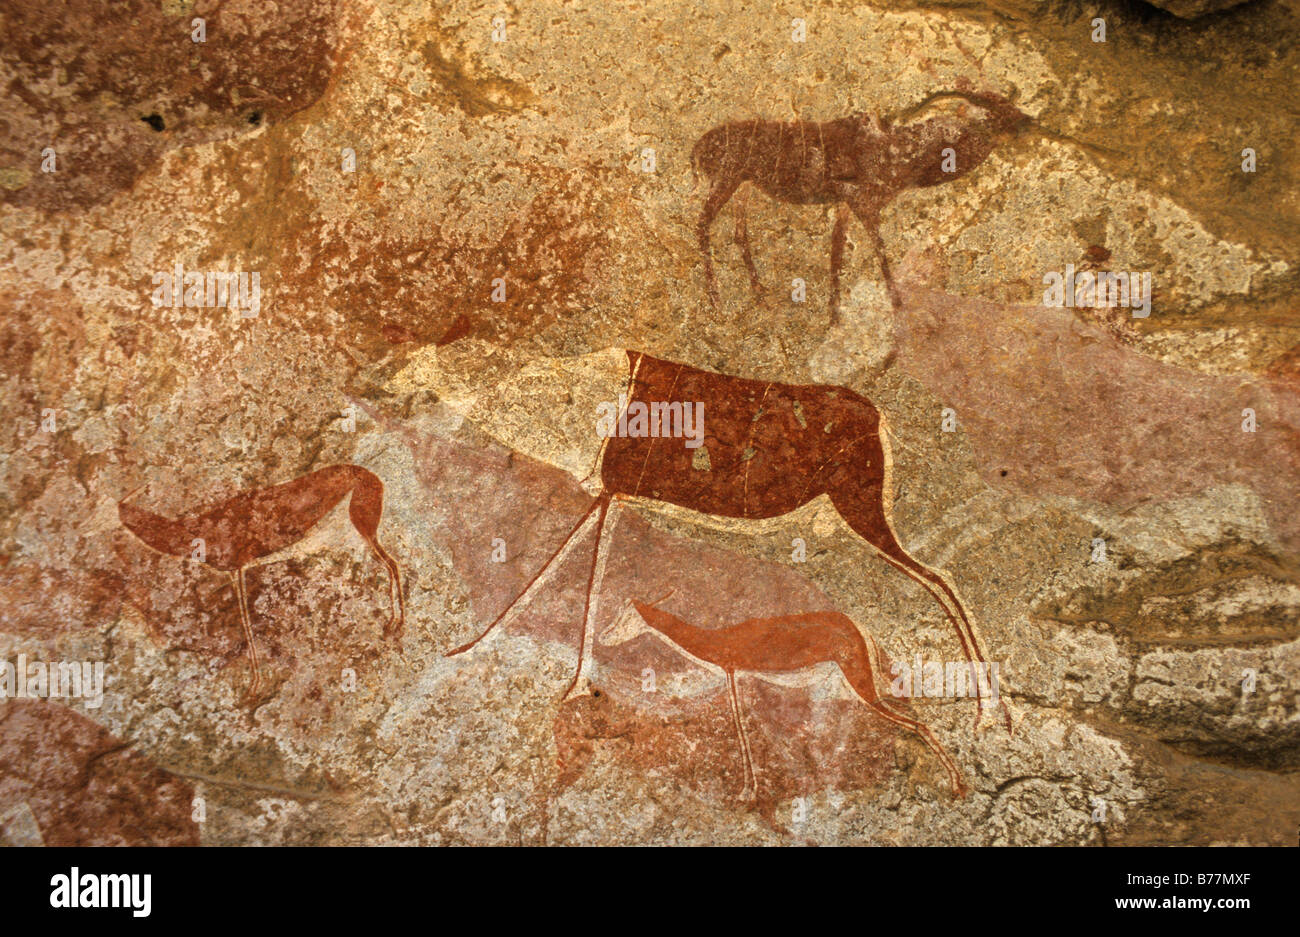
784,644
250,528
859,163
771,448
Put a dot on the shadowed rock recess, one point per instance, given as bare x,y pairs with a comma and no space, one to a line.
671,423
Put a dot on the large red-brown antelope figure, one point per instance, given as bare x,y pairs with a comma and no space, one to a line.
859,163
770,449
253,526
784,644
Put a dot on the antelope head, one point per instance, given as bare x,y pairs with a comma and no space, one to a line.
162,533
949,134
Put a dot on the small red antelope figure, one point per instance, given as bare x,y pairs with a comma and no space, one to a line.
766,449
859,163
253,526
785,644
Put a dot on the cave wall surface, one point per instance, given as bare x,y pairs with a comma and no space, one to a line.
461,235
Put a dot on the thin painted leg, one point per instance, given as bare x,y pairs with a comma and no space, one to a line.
242,589
944,593
742,240
866,515
597,564
861,679
838,233
869,215
601,503
396,602
722,191
894,298
954,777
750,790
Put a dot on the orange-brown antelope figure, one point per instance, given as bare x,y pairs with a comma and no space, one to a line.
771,448
253,526
859,163
785,644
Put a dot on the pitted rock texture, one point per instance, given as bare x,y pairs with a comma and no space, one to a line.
1190,9
110,86
68,782
468,224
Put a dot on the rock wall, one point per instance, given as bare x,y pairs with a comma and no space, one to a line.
470,247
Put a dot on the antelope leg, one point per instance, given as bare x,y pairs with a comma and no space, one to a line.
750,782
954,776
242,589
742,239
723,189
838,233
593,584
869,215
559,552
